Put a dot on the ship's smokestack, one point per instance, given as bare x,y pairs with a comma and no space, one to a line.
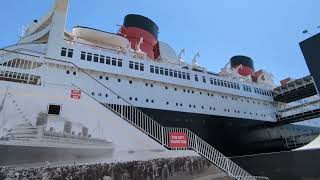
136,27
246,62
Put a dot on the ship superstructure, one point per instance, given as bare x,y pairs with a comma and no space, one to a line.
134,65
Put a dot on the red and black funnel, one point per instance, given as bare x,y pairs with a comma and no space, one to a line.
246,62
137,26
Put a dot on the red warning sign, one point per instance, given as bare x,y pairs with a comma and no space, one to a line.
178,140
75,94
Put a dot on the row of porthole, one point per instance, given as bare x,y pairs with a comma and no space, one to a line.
74,73
237,111
184,90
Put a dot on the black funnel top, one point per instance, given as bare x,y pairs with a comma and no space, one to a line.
244,60
138,21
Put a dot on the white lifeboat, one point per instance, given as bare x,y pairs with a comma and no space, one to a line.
101,37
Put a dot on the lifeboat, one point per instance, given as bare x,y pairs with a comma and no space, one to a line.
101,37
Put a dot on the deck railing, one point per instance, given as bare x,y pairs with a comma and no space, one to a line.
124,109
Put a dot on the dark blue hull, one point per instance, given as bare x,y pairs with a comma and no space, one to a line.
232,136
293,165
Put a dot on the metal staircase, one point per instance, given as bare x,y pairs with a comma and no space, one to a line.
137,118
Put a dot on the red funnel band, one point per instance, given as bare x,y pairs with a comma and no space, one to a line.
134,34
245,71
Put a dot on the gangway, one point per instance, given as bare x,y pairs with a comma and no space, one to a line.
295,90
133,115
301,112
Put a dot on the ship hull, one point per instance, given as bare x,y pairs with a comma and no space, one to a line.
293,165
14,154
232,136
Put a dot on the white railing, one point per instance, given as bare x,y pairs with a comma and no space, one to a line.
153,129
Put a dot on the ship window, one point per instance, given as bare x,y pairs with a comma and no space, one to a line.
63,52
175,73
119,80
183,75
130,98
211,81
141,67
152,101
161,71
171,72
215,81
107,78
152,69
114,62
83,55
188,76
147,100
204,79
119,62
179,74
100,77
130,82
166,72
70,53
157,70
196,78
89,57
136,66
102,59
130,64
54,109
108,60
95,58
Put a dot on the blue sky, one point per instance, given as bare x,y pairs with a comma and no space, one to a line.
268,31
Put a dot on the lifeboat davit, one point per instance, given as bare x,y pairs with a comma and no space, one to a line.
101,37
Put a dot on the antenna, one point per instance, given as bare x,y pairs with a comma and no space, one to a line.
182,53
194,60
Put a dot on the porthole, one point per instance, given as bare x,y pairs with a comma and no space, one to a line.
147,84
136,99
147,100
166,87
167,103
107,78
188,91
194,106
130,82
177,104
106,95
92,93
208,94
175,89
99,94
210,108
214,109
200,92
130,98
202,107
118,97
184,90
119,80
100,77
151,85
74,73
189,105
181,104
152,101
68,72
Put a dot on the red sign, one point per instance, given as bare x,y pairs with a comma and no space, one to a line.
178,140
75,94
